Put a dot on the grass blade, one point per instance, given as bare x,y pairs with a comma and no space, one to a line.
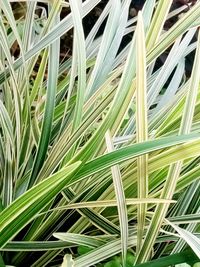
121,201
192,240
27,206
141,125
49,109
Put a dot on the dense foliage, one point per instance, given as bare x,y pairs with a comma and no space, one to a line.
99,147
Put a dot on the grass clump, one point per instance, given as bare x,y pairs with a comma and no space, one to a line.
99,149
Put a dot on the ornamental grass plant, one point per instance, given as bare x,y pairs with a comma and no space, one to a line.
99,149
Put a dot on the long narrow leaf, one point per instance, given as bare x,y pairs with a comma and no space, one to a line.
23,210
141,124
121,202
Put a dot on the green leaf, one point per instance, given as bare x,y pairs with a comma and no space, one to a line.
49,109
192,240
36,245
23,210
186,256
112,264
141,125
121,200
131,152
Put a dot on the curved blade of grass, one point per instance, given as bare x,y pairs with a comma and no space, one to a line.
53,66
147,13
101,18
192,240
6,123
158,22
6,49
178,258
36,245
40,76
111,203
5,5
108,35
72,78
76,8
131,151
26,207
176,30
29,22
173,86
182,219
187,204
175,55
78,239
